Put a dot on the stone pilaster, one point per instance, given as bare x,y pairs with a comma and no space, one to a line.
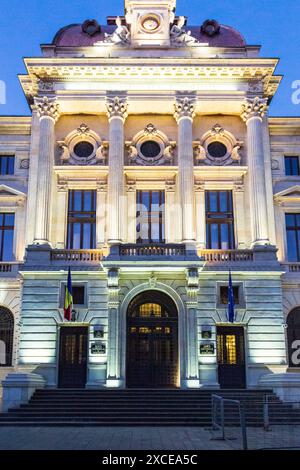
113,359
200,215
192,289
48,112
239,214
131,212
101,213
184,115
117,113
61,213
252,113
170,213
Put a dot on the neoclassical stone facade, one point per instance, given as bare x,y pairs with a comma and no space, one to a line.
151,166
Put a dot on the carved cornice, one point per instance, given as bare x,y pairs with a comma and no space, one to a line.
117,108
256,107
184,108
47,107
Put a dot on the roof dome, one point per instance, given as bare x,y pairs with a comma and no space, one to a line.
86,34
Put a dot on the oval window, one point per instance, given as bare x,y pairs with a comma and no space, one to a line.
217,149
84,149
150,149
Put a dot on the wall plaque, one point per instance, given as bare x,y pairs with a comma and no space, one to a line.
98,331
207,349
98,348
206,334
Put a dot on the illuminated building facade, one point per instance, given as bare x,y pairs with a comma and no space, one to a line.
151,167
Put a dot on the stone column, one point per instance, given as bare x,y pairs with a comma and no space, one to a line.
101,213
269,180
200,216
117,113
252,113
184,114
47,109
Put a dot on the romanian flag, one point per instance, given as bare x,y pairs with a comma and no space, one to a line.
68,299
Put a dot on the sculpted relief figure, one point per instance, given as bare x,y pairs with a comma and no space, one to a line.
179,36
121,35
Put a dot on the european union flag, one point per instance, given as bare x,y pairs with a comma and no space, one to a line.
230,300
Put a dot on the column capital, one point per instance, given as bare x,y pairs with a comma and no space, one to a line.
254,107
184,108
47,107
117,108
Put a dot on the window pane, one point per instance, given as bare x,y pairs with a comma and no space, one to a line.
223,201
87,201
11,164
214,236
290,220
292,245
77,200
224,237
76,236
86,236
9,220
8,238
213,198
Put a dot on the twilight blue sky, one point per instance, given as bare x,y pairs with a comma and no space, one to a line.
272,23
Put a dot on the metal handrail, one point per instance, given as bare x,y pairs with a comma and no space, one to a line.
216,425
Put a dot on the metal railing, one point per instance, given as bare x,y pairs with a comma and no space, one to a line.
158,249
218,417
77,255
226,255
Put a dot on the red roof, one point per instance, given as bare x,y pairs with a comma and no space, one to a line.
73,35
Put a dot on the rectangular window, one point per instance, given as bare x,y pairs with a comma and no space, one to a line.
219,220
7,164
81,220
7,222
292,222
224,295
150,217
291,166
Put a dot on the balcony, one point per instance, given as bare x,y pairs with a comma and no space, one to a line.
226,256
77,256
9,269
157,250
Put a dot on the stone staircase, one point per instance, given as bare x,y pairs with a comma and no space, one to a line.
143,407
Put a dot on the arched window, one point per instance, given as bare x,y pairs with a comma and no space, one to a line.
293,335
6,336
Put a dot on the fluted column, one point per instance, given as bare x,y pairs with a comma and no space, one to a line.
48,112
184,115
252,113
117,113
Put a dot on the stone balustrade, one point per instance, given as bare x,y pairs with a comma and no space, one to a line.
217,256
77,255
159,249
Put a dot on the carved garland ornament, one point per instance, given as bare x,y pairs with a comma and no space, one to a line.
219,139
150,147
83,147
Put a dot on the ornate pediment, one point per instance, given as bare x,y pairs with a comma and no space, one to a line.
288,196
11,196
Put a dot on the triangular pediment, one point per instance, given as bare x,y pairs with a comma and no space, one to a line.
6,191
289,193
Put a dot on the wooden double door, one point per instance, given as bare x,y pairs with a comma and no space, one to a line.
231,357
73,357
152,342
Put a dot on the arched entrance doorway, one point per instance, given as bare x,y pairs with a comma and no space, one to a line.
152,341
293,335
6,336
